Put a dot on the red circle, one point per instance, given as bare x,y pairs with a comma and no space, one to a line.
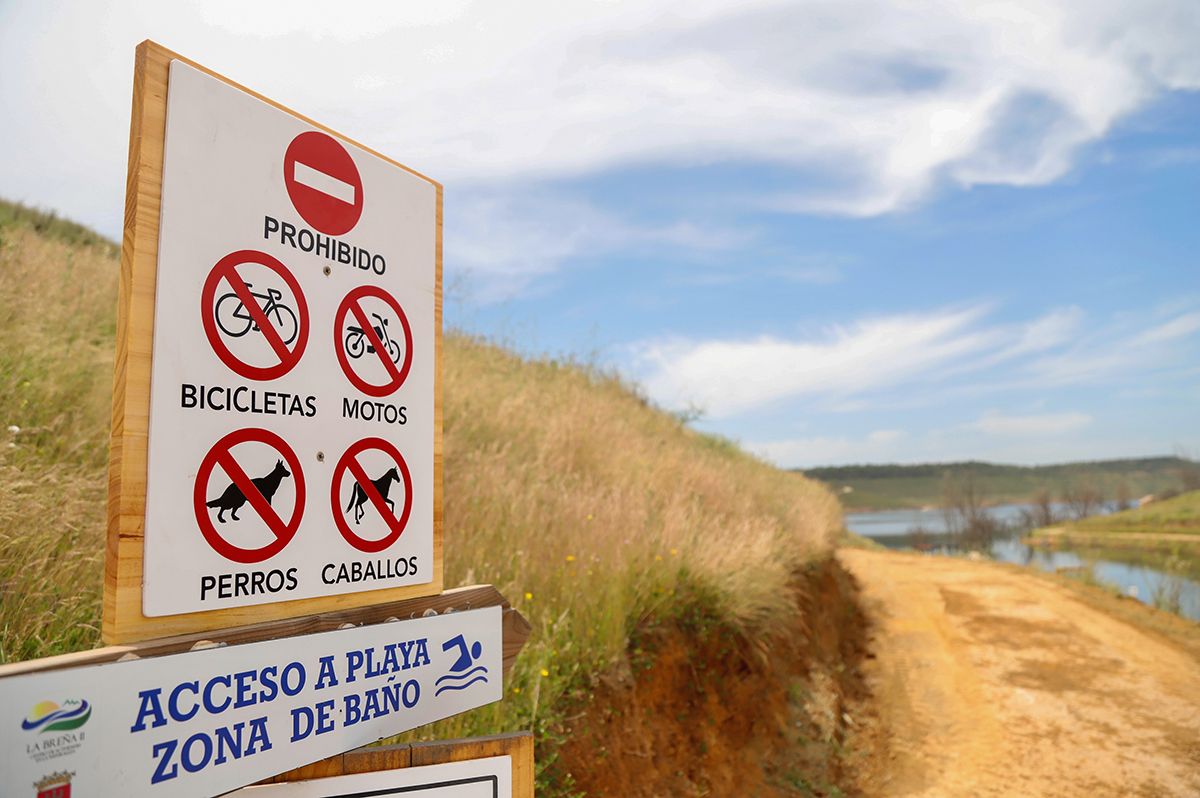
284,531
226,268
322,157
396,525
397,375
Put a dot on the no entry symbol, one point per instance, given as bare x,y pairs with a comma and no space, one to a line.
349,496
244,315
323,183
222,499
373,358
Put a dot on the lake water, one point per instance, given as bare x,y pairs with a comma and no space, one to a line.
893,528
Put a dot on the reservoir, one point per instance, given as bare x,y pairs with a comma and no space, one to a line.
1152,578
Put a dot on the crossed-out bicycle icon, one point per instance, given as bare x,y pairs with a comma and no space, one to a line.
235,321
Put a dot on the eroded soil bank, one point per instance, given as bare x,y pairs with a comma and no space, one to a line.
701,711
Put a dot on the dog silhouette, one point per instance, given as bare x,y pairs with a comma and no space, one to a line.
358,496
233,498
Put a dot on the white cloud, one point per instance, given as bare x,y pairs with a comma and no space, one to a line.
1125,347
1054,329
874,103
941,446
503,240
790,452
729,377
878,446
996,423
779,267
957,350
1178,327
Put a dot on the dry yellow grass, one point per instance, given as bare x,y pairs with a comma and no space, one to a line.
57,308
590,509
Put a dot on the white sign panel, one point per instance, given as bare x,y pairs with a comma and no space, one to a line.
292,386
206,722
475,778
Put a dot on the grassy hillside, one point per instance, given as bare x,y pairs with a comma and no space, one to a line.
1170,517
898,486
591,510
1163,534
1179,515
55,395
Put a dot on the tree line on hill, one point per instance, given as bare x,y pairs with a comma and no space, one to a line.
1081,486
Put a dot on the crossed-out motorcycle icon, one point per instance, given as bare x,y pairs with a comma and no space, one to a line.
357,344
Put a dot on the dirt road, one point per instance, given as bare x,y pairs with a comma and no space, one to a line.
990,682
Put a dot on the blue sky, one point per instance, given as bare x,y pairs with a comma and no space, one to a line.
837,231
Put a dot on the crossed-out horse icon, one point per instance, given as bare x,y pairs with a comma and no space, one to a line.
358,496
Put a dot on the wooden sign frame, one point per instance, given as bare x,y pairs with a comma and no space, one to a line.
371,759
514,626
127,473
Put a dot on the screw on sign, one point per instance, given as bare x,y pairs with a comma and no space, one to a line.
244,315
349,504
323,183
373,341
214,499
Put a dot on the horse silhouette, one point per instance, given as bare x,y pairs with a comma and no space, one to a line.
358,496
233,498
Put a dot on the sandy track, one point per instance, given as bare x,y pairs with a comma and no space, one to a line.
990,682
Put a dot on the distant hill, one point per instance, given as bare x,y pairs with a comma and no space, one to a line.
895,486
49,225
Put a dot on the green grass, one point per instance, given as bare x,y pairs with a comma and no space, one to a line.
592,511
1137,536
1179,516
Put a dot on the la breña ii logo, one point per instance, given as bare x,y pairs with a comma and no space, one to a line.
56,728
49,716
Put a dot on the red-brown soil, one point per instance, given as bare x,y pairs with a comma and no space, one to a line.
699,710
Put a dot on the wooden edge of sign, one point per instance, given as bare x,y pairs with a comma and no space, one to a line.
371,759
515,630
438,302
123,621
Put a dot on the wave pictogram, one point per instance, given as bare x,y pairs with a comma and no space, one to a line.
461,681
